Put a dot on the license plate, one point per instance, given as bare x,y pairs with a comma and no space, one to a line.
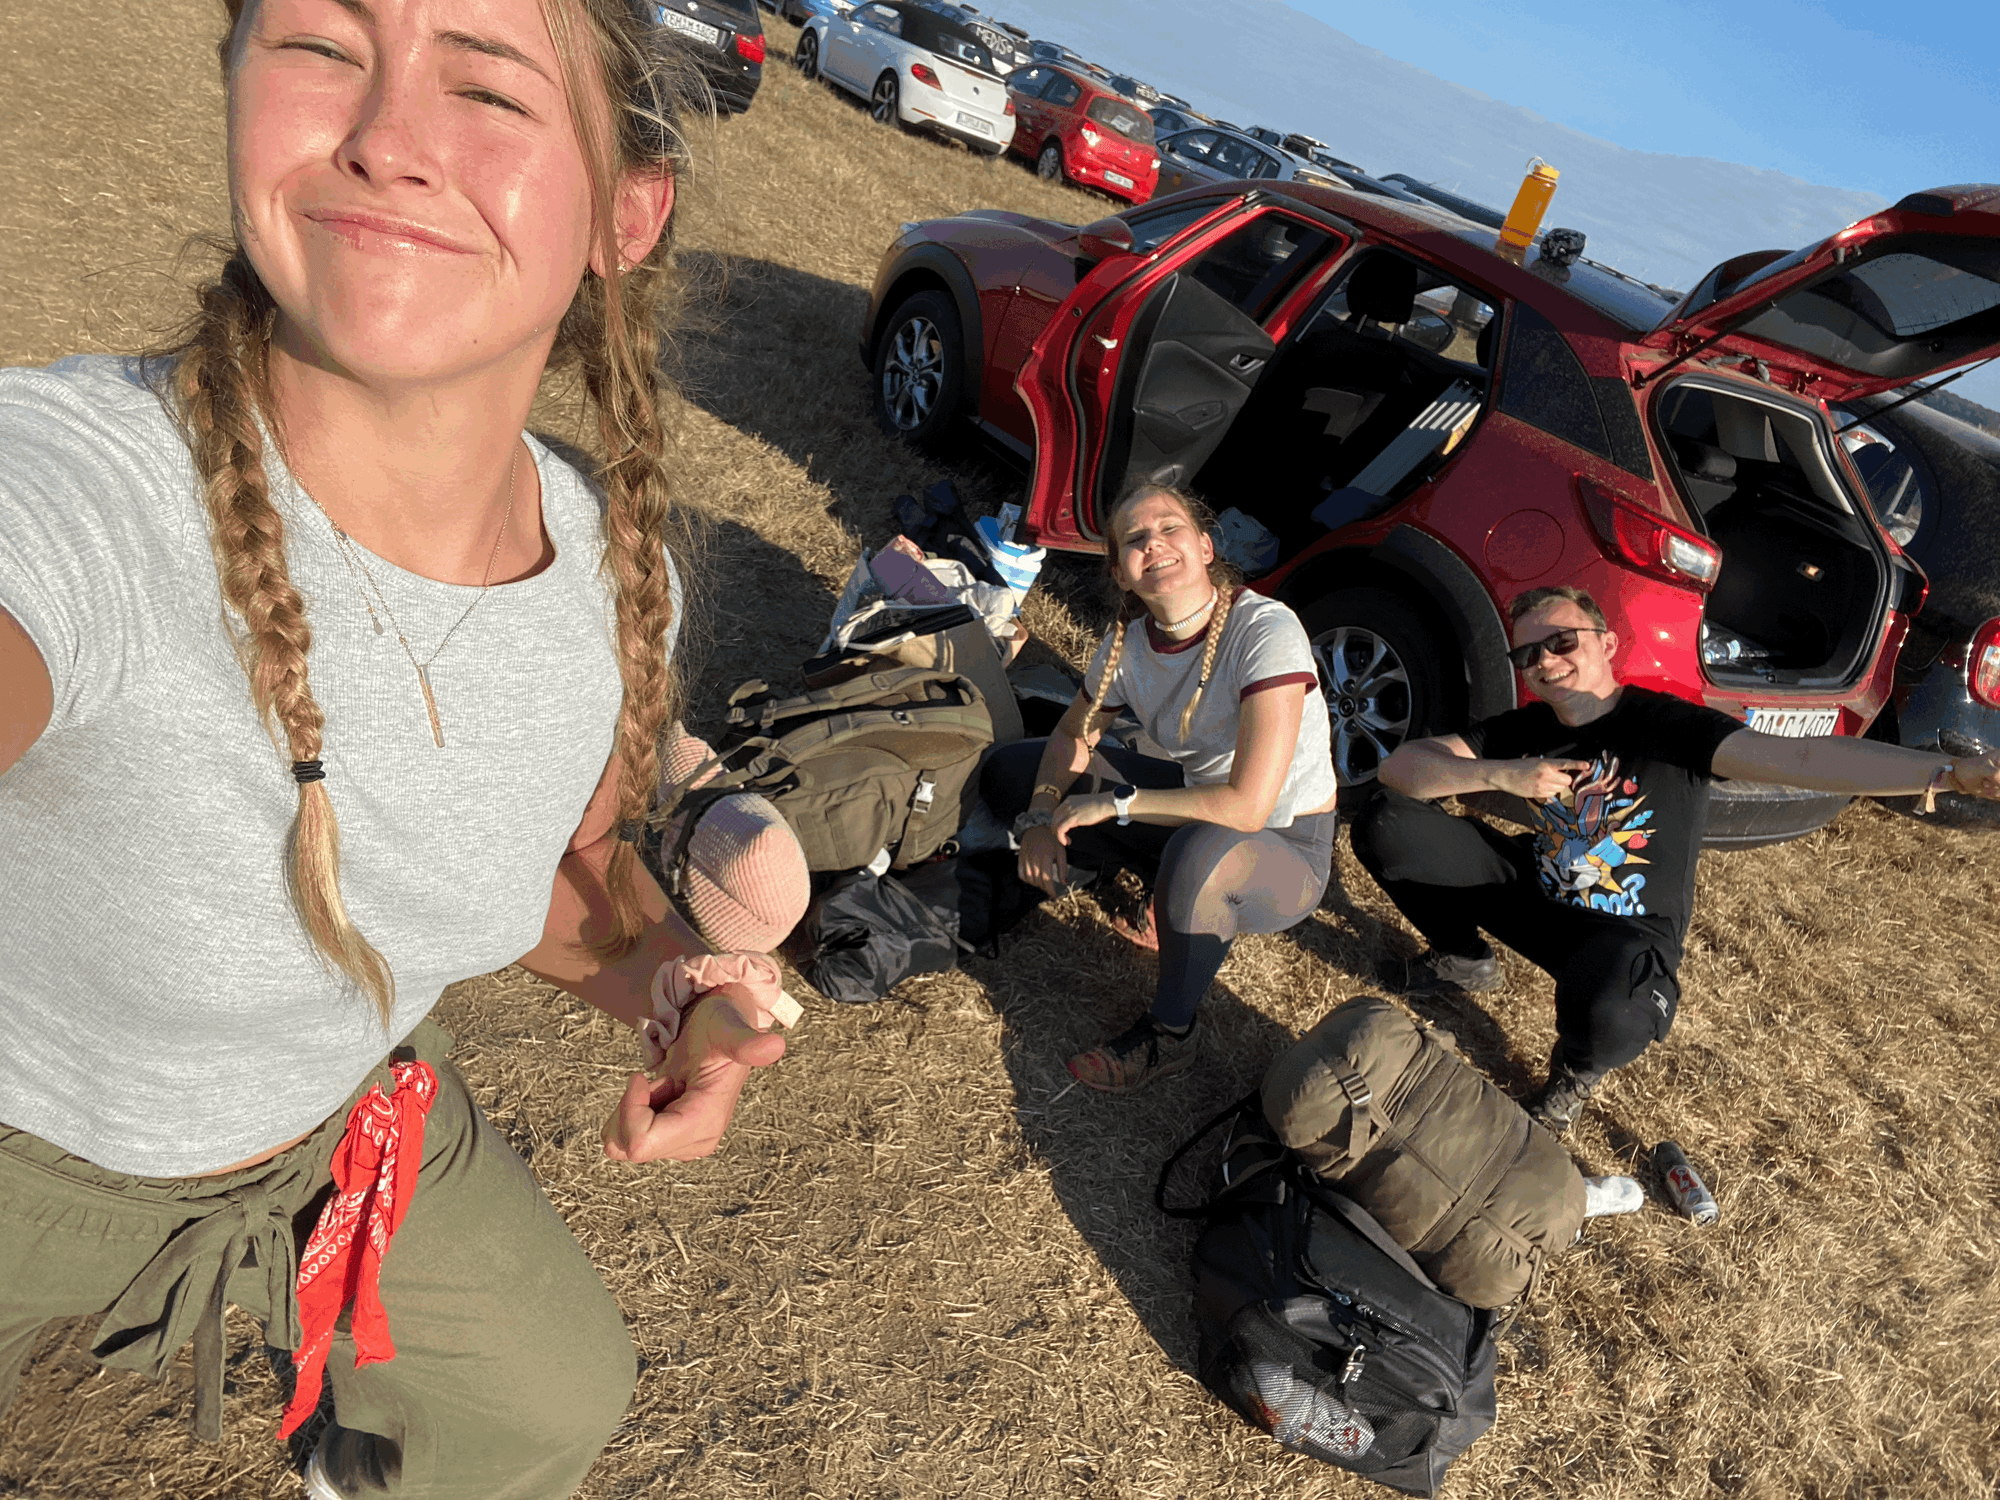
1118,179
701,31
973,122
1794,723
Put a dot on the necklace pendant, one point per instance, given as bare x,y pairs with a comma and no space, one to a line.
430,702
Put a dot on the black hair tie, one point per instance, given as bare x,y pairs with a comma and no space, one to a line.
306,771
628,831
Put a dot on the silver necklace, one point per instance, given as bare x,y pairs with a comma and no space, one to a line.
351,555
1183,624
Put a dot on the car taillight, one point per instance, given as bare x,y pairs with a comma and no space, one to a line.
1090,137
1982,664
923,74
750,48
1648,541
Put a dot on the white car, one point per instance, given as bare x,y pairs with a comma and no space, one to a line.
915,67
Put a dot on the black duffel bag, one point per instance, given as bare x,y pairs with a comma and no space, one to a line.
1318,1328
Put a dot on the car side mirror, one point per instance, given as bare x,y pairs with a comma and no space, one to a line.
1105,239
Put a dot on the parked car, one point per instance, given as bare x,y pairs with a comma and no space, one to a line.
798,12
1055,52
1075,129
1935,485
1465,208
1212,154
915,68
1402,473
728,41
1000,43
1170,119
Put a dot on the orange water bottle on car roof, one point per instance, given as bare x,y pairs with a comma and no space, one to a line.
1525,217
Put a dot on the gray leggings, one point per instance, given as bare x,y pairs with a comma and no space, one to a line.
1210,883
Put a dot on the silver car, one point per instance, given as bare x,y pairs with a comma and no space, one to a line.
1208,153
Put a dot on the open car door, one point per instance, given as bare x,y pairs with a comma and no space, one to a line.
1905,294
1141,371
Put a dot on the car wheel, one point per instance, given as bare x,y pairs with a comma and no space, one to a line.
808,55
920,370
882,103
1386,675
1049,165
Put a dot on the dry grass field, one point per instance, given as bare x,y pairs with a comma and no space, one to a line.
922,1265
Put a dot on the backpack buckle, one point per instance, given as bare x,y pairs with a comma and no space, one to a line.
923,796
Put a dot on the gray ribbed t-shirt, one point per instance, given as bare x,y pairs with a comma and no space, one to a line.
162,1012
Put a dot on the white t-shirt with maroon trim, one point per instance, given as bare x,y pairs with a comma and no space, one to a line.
1263,646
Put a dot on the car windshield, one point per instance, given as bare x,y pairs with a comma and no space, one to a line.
1127,119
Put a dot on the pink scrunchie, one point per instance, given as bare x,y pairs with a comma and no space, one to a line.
679,982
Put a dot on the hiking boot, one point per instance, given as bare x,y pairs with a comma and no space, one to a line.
1134,1058
1447,971
1562,1098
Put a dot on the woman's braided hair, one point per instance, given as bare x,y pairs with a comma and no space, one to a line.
1225,576
217,385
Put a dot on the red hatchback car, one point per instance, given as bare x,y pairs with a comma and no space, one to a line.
1075,130
1404,430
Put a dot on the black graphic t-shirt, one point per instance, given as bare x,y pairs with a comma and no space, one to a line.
1624,838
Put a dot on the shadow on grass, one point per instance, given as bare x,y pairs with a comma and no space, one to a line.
1104,1152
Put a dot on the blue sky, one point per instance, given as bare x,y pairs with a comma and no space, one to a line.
1885,96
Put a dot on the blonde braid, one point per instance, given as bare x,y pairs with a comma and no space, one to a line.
1110,668
217,384
1218,622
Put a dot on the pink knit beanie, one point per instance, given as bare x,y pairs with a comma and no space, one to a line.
747,884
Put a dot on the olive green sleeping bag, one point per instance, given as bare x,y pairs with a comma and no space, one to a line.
1455,1170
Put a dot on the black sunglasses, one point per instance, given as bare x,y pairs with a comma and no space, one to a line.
1561,643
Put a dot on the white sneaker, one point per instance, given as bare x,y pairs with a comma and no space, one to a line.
1612,1195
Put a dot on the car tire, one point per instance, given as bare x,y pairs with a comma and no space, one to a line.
1388,674
920,371
1049,165
884,101
808,55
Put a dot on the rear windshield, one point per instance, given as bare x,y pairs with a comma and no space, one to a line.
1128,120
946,39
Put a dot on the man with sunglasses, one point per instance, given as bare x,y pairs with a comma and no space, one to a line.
1616,779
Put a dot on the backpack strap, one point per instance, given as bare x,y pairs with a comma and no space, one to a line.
1363,1223
1252,1101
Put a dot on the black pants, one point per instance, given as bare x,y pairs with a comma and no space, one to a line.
1615,985
1209,883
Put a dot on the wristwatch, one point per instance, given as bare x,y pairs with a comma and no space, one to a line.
1121,801
1034,817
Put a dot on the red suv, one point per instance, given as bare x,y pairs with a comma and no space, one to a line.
1075,129
1404,429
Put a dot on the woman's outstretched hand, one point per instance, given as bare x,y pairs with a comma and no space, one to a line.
681,1114
1044,863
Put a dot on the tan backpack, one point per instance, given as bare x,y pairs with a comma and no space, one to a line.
877,761
1455,1170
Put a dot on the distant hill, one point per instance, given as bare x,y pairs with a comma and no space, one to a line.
1969,412
1668,219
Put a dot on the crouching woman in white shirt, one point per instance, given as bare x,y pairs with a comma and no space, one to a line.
1234,833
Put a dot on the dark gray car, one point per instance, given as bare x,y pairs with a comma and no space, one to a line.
1208,153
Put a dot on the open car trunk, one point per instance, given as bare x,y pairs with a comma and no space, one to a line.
1805,579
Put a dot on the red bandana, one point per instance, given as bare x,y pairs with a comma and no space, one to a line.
374,1175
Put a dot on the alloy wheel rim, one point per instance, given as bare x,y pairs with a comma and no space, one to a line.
913,374
808,52
1368,699
885,101
1050,165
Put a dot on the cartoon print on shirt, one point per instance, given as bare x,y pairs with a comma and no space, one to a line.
1588,838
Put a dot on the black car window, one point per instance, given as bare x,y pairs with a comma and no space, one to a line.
1152,230
1063,91
946,39
881,18
1195,145
1546,386
1257,263
1127,119
1440,317
1896,485
1030,81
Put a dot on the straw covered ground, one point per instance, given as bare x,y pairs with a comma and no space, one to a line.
923,1266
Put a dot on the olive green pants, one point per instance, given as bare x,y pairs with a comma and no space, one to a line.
512,1363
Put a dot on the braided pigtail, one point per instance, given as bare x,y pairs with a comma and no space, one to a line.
217,386
1111,659
1225,597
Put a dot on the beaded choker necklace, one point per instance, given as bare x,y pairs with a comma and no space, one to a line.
1182,624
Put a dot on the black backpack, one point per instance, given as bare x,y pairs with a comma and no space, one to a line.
1317,1327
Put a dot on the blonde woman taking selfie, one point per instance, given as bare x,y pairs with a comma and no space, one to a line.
322,686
